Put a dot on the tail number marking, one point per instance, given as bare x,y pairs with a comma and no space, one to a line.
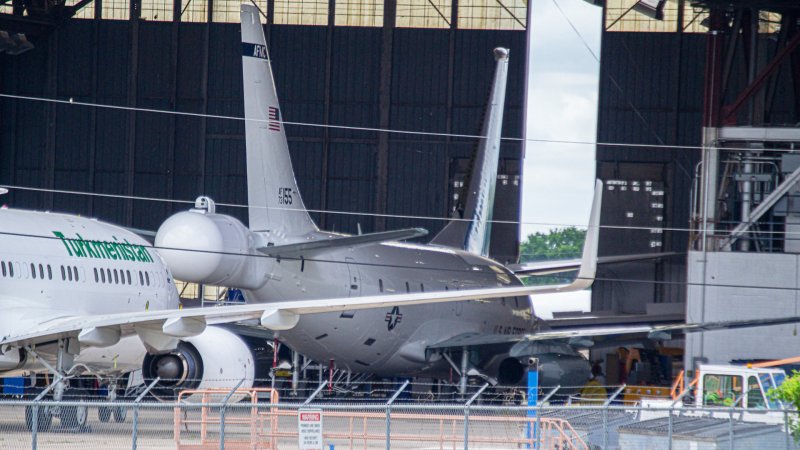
284,196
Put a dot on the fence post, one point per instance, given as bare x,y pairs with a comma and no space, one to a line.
35,412
135,433
730,429
669,429
606,405
539,425
34,425
605,427
786,425
466,414
222,414
389,414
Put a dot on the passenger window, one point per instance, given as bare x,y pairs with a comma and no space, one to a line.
69,274
3,265
75,271
116,277
63,274
33,271
41,271
721,390
380,285
10,270
141,279
108,272
102,276
49,272
128,276
755,398
147,278
96,277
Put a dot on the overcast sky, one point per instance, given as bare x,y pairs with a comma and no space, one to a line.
558,178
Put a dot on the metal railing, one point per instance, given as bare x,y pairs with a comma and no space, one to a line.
258,419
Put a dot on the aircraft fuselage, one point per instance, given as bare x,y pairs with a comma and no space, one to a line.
392,340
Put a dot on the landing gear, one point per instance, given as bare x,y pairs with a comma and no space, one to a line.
71,417
74,417
44,418
105,414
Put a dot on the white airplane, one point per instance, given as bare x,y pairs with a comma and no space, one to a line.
80,296
284,257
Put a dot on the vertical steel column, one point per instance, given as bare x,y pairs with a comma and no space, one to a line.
384,106
326,112
51,118
133,81
451,56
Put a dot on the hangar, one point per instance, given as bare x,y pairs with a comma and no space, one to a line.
399,65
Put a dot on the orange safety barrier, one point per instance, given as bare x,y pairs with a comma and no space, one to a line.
357,428
680,384
204,442
555,433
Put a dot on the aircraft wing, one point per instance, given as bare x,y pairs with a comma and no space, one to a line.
159,328
567,265
321,246
585,337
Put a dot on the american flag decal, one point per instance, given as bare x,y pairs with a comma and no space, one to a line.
274,116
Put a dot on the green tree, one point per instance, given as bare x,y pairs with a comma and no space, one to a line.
558,243
789,393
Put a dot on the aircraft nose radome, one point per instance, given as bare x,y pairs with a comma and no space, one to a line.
500,53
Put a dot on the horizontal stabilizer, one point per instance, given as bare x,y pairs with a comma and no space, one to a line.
567,265
321,246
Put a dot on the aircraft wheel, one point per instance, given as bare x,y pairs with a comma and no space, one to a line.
74,416
44,418
104,414
120,413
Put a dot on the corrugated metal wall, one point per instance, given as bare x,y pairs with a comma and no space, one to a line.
439,81
651,92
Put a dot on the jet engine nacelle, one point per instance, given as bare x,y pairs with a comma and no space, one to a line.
554,369
210,248
11,358
217,358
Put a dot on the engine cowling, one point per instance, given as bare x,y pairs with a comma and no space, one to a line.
554,369
203,247
217,358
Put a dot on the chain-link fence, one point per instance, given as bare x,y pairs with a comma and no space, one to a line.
252,419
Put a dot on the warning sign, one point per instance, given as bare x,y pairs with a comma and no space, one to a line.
309,427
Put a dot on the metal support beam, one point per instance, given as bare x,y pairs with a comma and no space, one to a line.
729,112
713,73
768,202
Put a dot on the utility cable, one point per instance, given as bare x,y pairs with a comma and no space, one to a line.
386,130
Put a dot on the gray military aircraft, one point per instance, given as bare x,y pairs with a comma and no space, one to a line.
283,256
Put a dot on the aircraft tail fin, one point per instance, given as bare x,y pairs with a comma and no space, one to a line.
472,230
274,202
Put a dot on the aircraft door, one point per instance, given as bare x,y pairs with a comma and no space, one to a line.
354,283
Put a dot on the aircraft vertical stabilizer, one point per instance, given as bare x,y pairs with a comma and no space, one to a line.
473,231
273,196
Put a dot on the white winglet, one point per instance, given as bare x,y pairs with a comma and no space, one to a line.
588,268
